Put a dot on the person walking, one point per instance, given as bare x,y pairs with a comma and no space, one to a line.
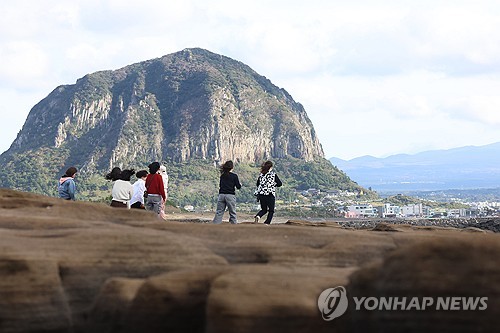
154,188
139,186
122,190
266,191
227,193
164,176
67,187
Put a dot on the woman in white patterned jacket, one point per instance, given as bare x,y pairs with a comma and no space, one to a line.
266,191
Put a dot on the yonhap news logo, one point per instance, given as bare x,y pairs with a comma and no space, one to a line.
333,303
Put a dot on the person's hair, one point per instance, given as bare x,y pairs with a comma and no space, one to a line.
226,167
71,171
114,174
126,174
141,173
265,167
154,167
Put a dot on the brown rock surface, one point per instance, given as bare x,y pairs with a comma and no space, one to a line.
465,267
83,267
32,296
269,298
112,303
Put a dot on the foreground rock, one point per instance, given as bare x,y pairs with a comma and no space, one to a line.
82,267
457,270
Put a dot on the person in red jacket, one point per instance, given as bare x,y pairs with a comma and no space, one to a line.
154,189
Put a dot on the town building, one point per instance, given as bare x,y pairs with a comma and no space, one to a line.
391,210
363,210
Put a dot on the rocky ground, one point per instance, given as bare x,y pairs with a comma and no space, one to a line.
83,267
483,223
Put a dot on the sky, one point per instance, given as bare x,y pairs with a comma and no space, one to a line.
375,77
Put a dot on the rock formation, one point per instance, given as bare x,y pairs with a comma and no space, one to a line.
84,267
190,104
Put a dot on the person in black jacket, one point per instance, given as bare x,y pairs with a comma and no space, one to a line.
227,193
266,191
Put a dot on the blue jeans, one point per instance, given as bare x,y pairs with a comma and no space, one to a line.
224,200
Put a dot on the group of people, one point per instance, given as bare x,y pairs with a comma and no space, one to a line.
148,192
151,188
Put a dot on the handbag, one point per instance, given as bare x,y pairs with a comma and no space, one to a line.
256,193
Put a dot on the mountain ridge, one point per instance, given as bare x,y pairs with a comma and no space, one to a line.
460,167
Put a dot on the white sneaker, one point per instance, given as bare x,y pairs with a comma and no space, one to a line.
256,219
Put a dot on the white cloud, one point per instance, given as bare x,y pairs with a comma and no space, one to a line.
399,71
22,63
469,30
478,108
14,100
400,112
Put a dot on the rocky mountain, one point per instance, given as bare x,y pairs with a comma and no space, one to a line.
459,168
190,108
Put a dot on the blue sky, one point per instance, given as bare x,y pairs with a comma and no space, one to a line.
375,77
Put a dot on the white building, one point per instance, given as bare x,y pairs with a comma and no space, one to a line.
457,212
412,210
362,210
391,210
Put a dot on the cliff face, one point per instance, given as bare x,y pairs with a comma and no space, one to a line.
190,104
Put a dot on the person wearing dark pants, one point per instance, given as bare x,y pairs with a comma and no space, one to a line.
267,203
266,192
227,193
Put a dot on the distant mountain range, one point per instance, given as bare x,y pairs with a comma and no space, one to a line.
459,168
